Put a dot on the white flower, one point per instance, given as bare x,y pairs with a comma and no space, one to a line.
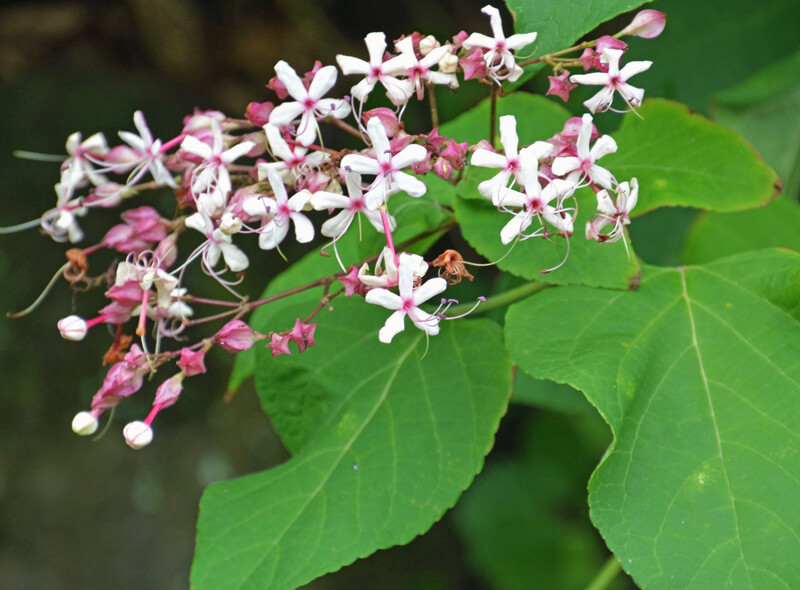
420,70
614,80
583,165
350,206
309,104
388,277
149,152
613,214
407,302
508,161
79,169
278,212
500,61
386,167
376,70
218,242
212,175
535,203
294,160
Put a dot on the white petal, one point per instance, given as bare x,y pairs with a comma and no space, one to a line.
384,298
324,80
394,325
633,68
518,224
412,186
235,259
508,135
565,165
486,159
602,147
361,164
479,40
409,155
194,146
352,65
429,289
290,79
336,226
593,79
379,139
520,40
285,113
260,206
324,200
303,228
199,222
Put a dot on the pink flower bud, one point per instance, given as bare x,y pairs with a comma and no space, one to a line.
386,116
560,86
73,328
169,391
646,24
137,434
258,113
609,42
84,424
236,336
192,362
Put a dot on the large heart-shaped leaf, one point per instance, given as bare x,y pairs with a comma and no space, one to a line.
698,375
560,23
682,158
400,438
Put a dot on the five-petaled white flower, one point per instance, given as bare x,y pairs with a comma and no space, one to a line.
148,153
308,104
376,70
610,213
278,212
614,80
501,63
350,205
407,302
386,167
583,166
211,178
508,161
218,242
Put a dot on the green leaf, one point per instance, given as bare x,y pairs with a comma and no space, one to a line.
560,23
697,374
681,158
715,235
711,45
588,263
525,518
537,119
271,317
764,110
401,439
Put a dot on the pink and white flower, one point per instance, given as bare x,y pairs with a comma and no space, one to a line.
501,63
309,104
583,166
386,167
350,205
278,212
407,302
378,71
615,80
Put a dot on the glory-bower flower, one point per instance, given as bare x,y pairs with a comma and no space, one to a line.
407,302
615,80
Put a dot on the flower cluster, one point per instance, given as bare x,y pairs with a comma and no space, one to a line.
267,173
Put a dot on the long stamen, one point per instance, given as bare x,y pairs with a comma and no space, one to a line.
10,229
42,295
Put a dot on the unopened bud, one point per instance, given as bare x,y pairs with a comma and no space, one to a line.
73,328
137,434
449,63
428,44
230,224
646,24
84,424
